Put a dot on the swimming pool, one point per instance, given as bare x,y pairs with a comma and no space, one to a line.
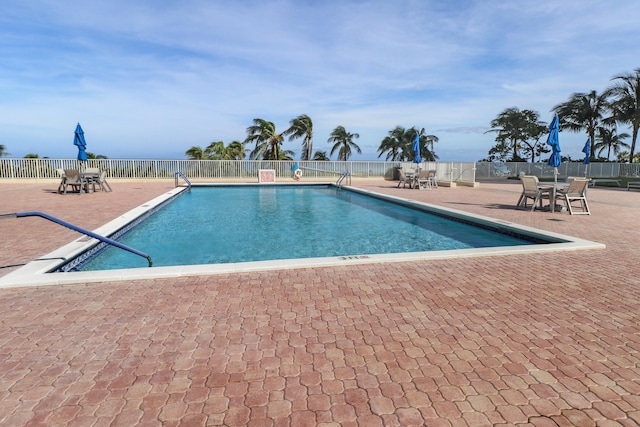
243,224
46,269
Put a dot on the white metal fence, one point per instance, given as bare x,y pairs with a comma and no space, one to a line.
497,170
11,168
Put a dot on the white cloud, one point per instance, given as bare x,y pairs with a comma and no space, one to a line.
151,78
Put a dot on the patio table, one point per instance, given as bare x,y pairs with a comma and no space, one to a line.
552,187
413,176
88,179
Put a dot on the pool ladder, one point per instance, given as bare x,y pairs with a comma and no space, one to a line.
79,230
183,176
343,176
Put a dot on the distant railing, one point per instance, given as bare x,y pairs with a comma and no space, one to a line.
12,168
504,170
447,171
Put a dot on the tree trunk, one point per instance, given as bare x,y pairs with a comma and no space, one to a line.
633,143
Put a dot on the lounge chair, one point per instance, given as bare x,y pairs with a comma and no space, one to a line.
433,179
423,180
427,179
102,182
530,190
62,179
577,190
404,179
71,177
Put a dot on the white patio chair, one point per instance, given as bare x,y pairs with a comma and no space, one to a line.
530,190
71,178
404,179
577,191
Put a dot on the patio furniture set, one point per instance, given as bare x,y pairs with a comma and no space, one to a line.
569,192
420,179
86,181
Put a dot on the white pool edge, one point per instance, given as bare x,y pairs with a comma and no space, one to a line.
35,272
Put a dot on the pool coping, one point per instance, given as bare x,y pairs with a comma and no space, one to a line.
36,273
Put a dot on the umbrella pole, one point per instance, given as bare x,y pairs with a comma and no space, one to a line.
81,170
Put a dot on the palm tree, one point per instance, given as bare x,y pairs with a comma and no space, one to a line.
398,144
267,141
626,104
343,141
320,156
426,144
195,153
506,125
608,138
285,154
584,111
3,151
235,151
515,128
302,127
395,144
215,151
624,157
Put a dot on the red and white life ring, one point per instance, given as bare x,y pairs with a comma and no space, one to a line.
297,174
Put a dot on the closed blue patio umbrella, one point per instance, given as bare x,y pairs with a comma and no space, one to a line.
553,140
416,149
587,154
78,140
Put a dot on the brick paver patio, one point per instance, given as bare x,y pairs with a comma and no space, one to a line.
529,340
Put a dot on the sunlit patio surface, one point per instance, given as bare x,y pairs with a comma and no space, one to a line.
548,339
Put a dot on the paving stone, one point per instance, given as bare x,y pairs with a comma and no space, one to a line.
343,413
469,344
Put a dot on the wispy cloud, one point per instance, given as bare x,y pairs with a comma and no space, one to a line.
151,79
466,130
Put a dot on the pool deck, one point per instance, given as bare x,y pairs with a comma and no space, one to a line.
541,340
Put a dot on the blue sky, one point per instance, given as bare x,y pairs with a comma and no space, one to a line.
151,78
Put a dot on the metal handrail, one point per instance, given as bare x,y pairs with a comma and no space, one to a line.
183,176
79,230
343,175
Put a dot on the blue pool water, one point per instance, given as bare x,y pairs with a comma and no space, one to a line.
215,225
